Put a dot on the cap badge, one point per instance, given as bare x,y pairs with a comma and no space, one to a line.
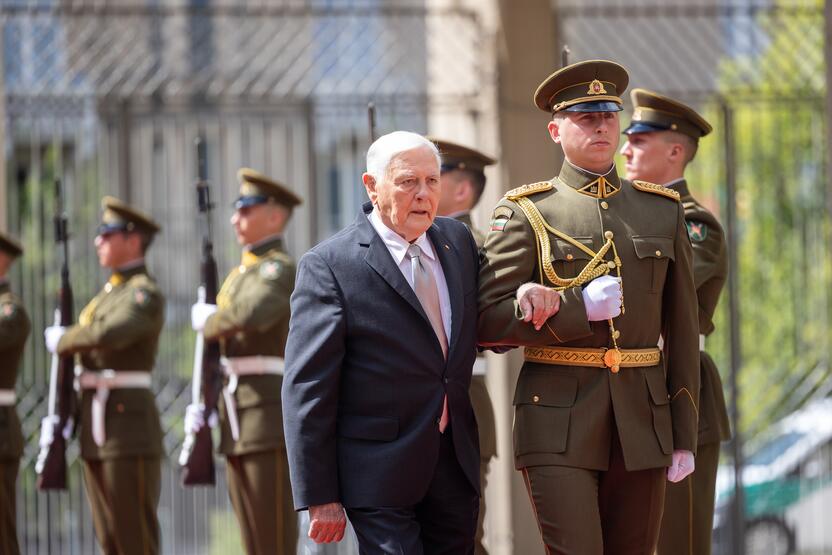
637,114
596,87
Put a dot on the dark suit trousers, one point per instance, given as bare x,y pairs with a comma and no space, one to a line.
443,522
590,512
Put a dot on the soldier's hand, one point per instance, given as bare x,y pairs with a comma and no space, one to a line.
52,336
681,466
602,298
538,303
327,523
200,312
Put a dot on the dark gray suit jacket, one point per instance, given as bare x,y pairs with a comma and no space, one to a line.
365,376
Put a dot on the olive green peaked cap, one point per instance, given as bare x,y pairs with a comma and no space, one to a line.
589,86
9,245
119,216
654,112
256,188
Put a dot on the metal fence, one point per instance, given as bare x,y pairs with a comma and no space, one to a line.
756,70
110,95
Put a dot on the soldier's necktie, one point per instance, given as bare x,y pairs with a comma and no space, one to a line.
424,285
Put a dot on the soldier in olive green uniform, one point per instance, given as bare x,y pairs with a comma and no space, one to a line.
662,139
115,341
600,411
463,181
14,329
251,322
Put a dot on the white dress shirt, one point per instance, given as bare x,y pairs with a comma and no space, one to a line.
397,247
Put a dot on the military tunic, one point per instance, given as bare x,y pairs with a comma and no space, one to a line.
484,413
119,330
14,330
570,417
253,319
689,504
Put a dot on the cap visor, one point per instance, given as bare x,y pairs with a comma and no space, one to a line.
642,127
243,202
604,106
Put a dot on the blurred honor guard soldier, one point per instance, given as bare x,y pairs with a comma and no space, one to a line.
251,322
14,329
462,182
115,341
661,140
599,410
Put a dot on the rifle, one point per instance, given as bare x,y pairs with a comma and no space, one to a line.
371,120
57,426
197,456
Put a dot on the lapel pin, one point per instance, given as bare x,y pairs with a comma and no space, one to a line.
447,247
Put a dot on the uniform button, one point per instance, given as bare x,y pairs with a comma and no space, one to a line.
536,399
604,204
608,234
569,257
617,334
242,269
668,396
658,253
611,265
120,407
108,287
446,380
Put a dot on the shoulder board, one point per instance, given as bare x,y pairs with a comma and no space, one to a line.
529,189
648,187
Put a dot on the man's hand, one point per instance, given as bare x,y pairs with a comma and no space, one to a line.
538,303
602,298
52,336
681,467
200,312
327,523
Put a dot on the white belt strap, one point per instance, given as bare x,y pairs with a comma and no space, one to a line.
8,398
102,382
660,343
480,366
244,366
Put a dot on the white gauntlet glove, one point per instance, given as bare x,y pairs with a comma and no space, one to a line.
602,298
200,312
52,336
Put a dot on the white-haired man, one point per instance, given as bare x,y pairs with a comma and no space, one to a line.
381,344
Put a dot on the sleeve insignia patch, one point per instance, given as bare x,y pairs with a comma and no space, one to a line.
500,217
141,297
7,310
697,231
270,270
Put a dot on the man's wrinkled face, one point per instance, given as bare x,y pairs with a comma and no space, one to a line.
408,196
646,156
589,139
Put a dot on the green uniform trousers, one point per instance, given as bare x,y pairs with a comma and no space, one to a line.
689,508
8,507
123,494
258,484
591,512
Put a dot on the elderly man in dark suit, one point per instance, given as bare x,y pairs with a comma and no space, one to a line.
381,344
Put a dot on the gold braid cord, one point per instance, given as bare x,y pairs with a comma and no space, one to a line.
596,267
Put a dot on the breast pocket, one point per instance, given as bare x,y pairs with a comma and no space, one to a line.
568,259
655,251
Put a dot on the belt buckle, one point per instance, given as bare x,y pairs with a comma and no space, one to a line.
612,360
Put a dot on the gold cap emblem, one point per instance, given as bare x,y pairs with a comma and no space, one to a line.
637,114
596,87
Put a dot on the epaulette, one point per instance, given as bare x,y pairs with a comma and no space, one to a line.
648,187
529,189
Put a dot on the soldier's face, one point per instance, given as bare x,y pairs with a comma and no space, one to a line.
589,139
647,156
455,193
253,223
408,196
117,248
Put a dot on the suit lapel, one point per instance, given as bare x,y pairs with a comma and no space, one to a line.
449,258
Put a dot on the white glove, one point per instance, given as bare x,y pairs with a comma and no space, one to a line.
200,312
682,466
602,298
194,421
52,336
